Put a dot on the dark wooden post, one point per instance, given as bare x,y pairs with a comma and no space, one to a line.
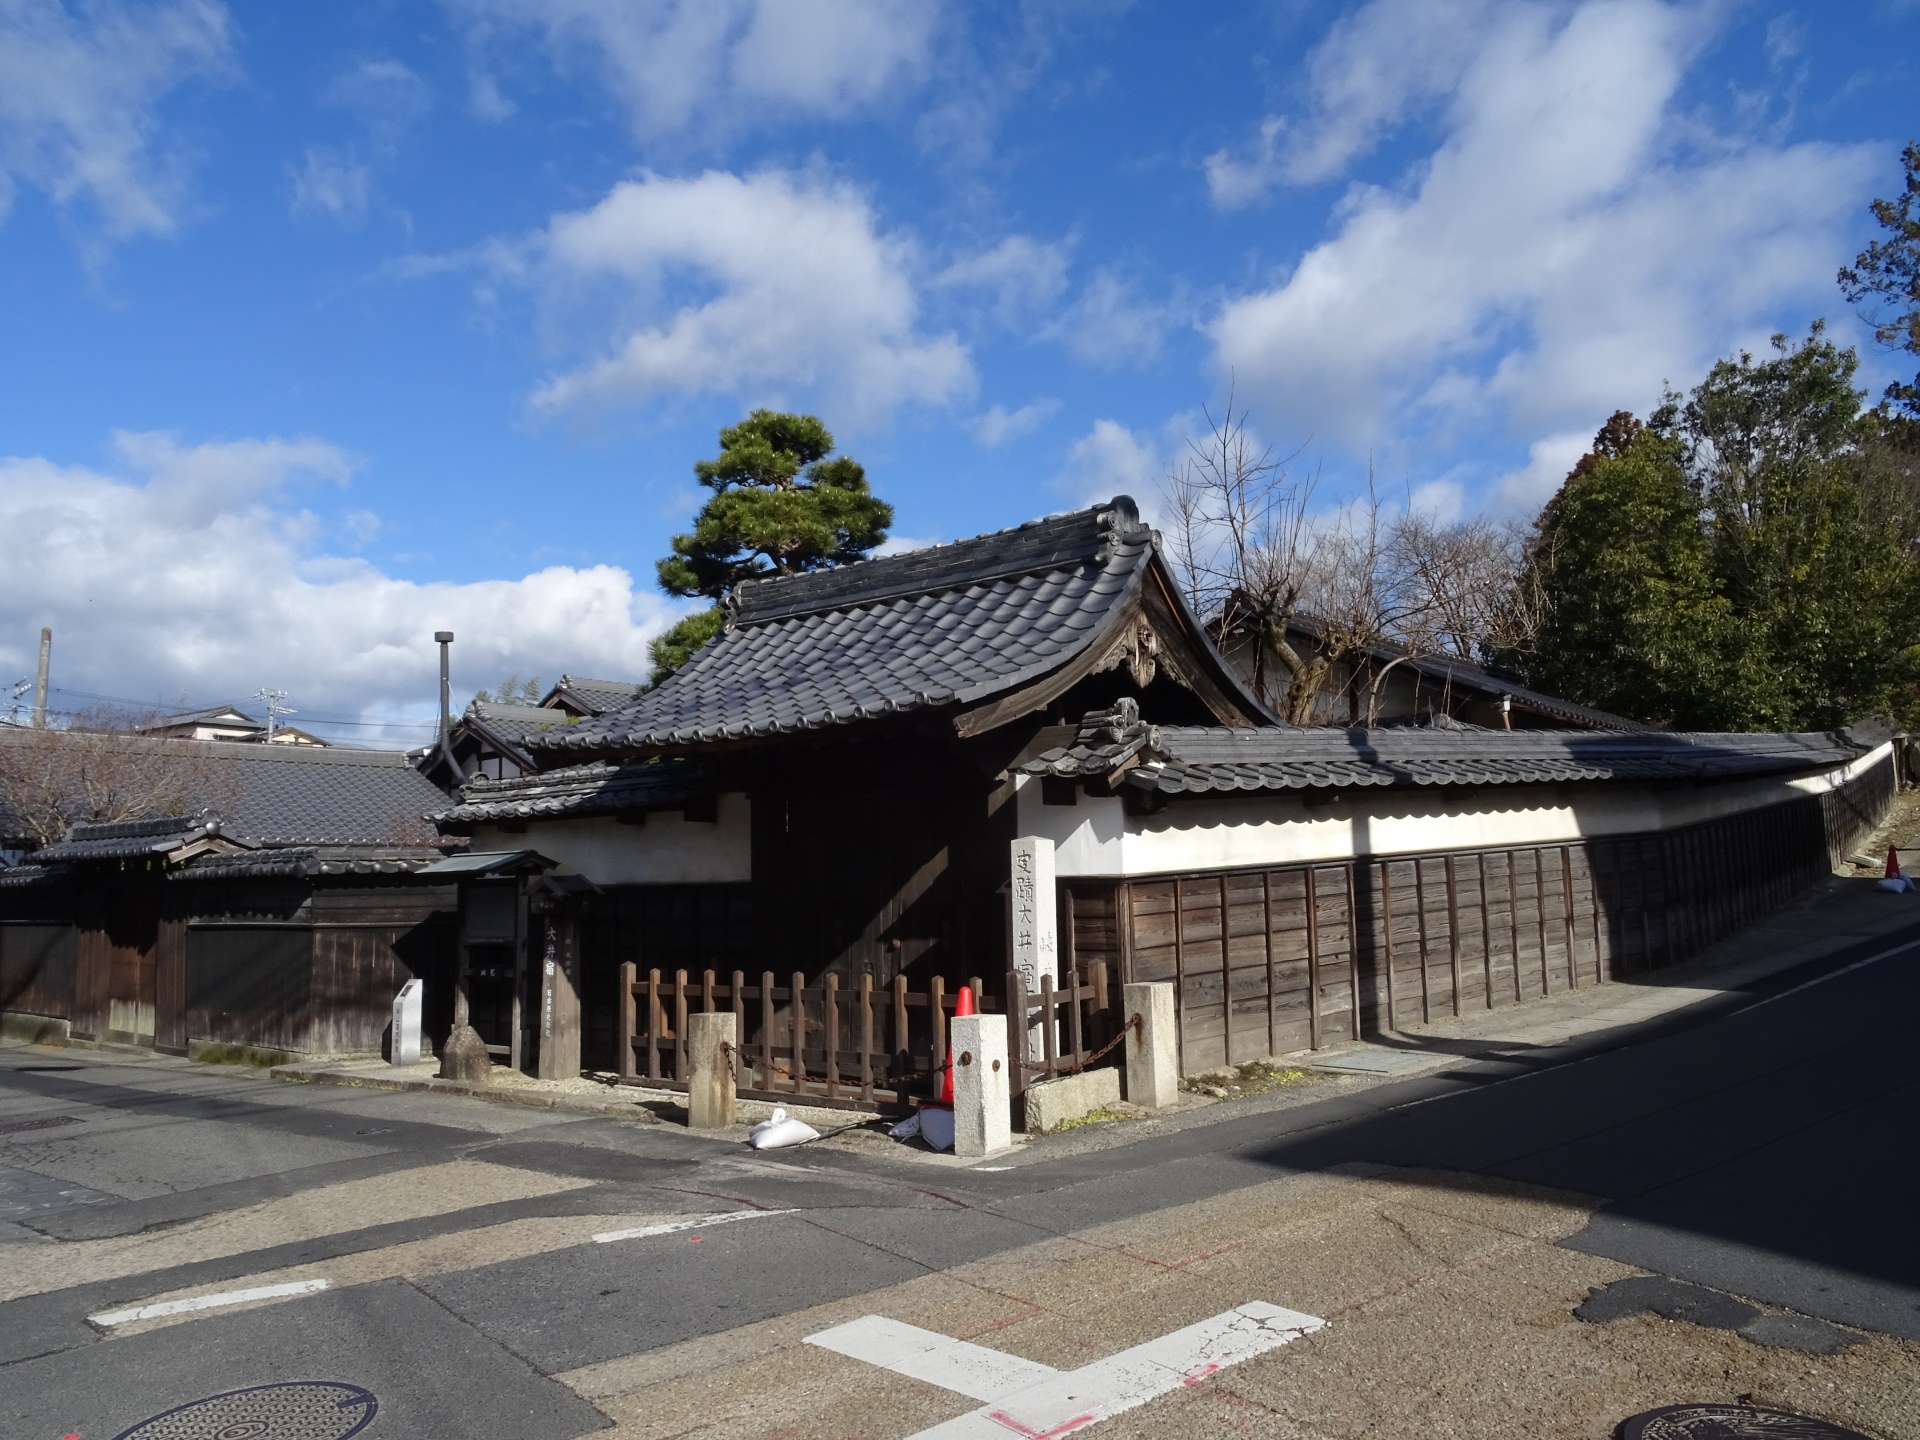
1313,966
739,998
629,1020
866,1035
798,1015
830,996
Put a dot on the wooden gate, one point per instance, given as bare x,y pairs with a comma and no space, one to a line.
854,1047
1055,1031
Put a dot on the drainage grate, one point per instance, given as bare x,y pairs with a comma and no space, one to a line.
1728,1422
15,1127
299,1410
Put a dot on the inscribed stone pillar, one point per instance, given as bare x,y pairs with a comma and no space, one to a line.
1035,948
560,998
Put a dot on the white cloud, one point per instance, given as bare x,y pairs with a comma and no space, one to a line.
1112,460
1023,275
999,424
902,544
1548,463
1376,66
675,63
331,183
768,286
187,570
384,95
1557,257
1109,325
80,92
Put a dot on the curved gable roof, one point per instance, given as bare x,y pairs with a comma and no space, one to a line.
952,626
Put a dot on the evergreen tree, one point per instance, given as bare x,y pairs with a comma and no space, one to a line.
782,504
1888,272
1635,624
1747,561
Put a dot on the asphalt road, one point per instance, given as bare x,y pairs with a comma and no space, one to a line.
1760,1144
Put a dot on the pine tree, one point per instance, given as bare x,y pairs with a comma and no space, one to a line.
782,504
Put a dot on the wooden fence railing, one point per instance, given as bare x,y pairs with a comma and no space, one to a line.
1045,1043
844,1046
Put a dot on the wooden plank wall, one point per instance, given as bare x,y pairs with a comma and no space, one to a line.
37,968
1271,961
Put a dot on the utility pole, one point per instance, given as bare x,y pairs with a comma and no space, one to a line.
271,699
40,689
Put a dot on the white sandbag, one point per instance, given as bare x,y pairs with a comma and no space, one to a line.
781,1131
907,1128
936,1127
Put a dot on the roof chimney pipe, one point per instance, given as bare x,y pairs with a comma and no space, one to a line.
444,638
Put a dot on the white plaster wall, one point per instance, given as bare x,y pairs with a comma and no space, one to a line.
1097,837
667,850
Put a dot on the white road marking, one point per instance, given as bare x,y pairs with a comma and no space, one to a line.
1055,1402
698,1222
967,1369
1831,975
109,1318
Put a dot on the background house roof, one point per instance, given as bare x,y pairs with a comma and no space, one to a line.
298,794
590,697
577,792
1195,760
942,626
1470,678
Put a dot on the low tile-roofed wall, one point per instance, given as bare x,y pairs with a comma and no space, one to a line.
1196,760
302,861
577,792
946,625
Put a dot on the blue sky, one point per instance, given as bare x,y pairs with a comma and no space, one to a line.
326,326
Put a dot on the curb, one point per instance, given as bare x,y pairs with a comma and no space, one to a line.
530,1100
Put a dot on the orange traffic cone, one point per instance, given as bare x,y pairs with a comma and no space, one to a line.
962,1006
1893,863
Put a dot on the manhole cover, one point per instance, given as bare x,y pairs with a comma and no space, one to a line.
18,1127
1728,1422
298,1410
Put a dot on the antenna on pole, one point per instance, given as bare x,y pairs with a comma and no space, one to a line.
40,690
271,699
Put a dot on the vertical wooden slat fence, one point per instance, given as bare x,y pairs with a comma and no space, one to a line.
851,1047
1278,959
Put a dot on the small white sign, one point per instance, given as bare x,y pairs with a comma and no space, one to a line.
406,1022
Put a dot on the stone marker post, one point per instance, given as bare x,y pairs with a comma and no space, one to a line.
1153,1051
982,1085
710,1042
407,1005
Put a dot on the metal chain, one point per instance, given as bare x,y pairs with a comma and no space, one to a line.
1136,1024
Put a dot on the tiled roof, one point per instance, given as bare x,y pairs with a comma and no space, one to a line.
129,839
594,697
577,792
20,876
303,861
303,795
1195,760
1465,675
947,625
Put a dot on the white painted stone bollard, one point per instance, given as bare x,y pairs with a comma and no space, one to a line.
982,1085
407,1005
1153,1051
710,1092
